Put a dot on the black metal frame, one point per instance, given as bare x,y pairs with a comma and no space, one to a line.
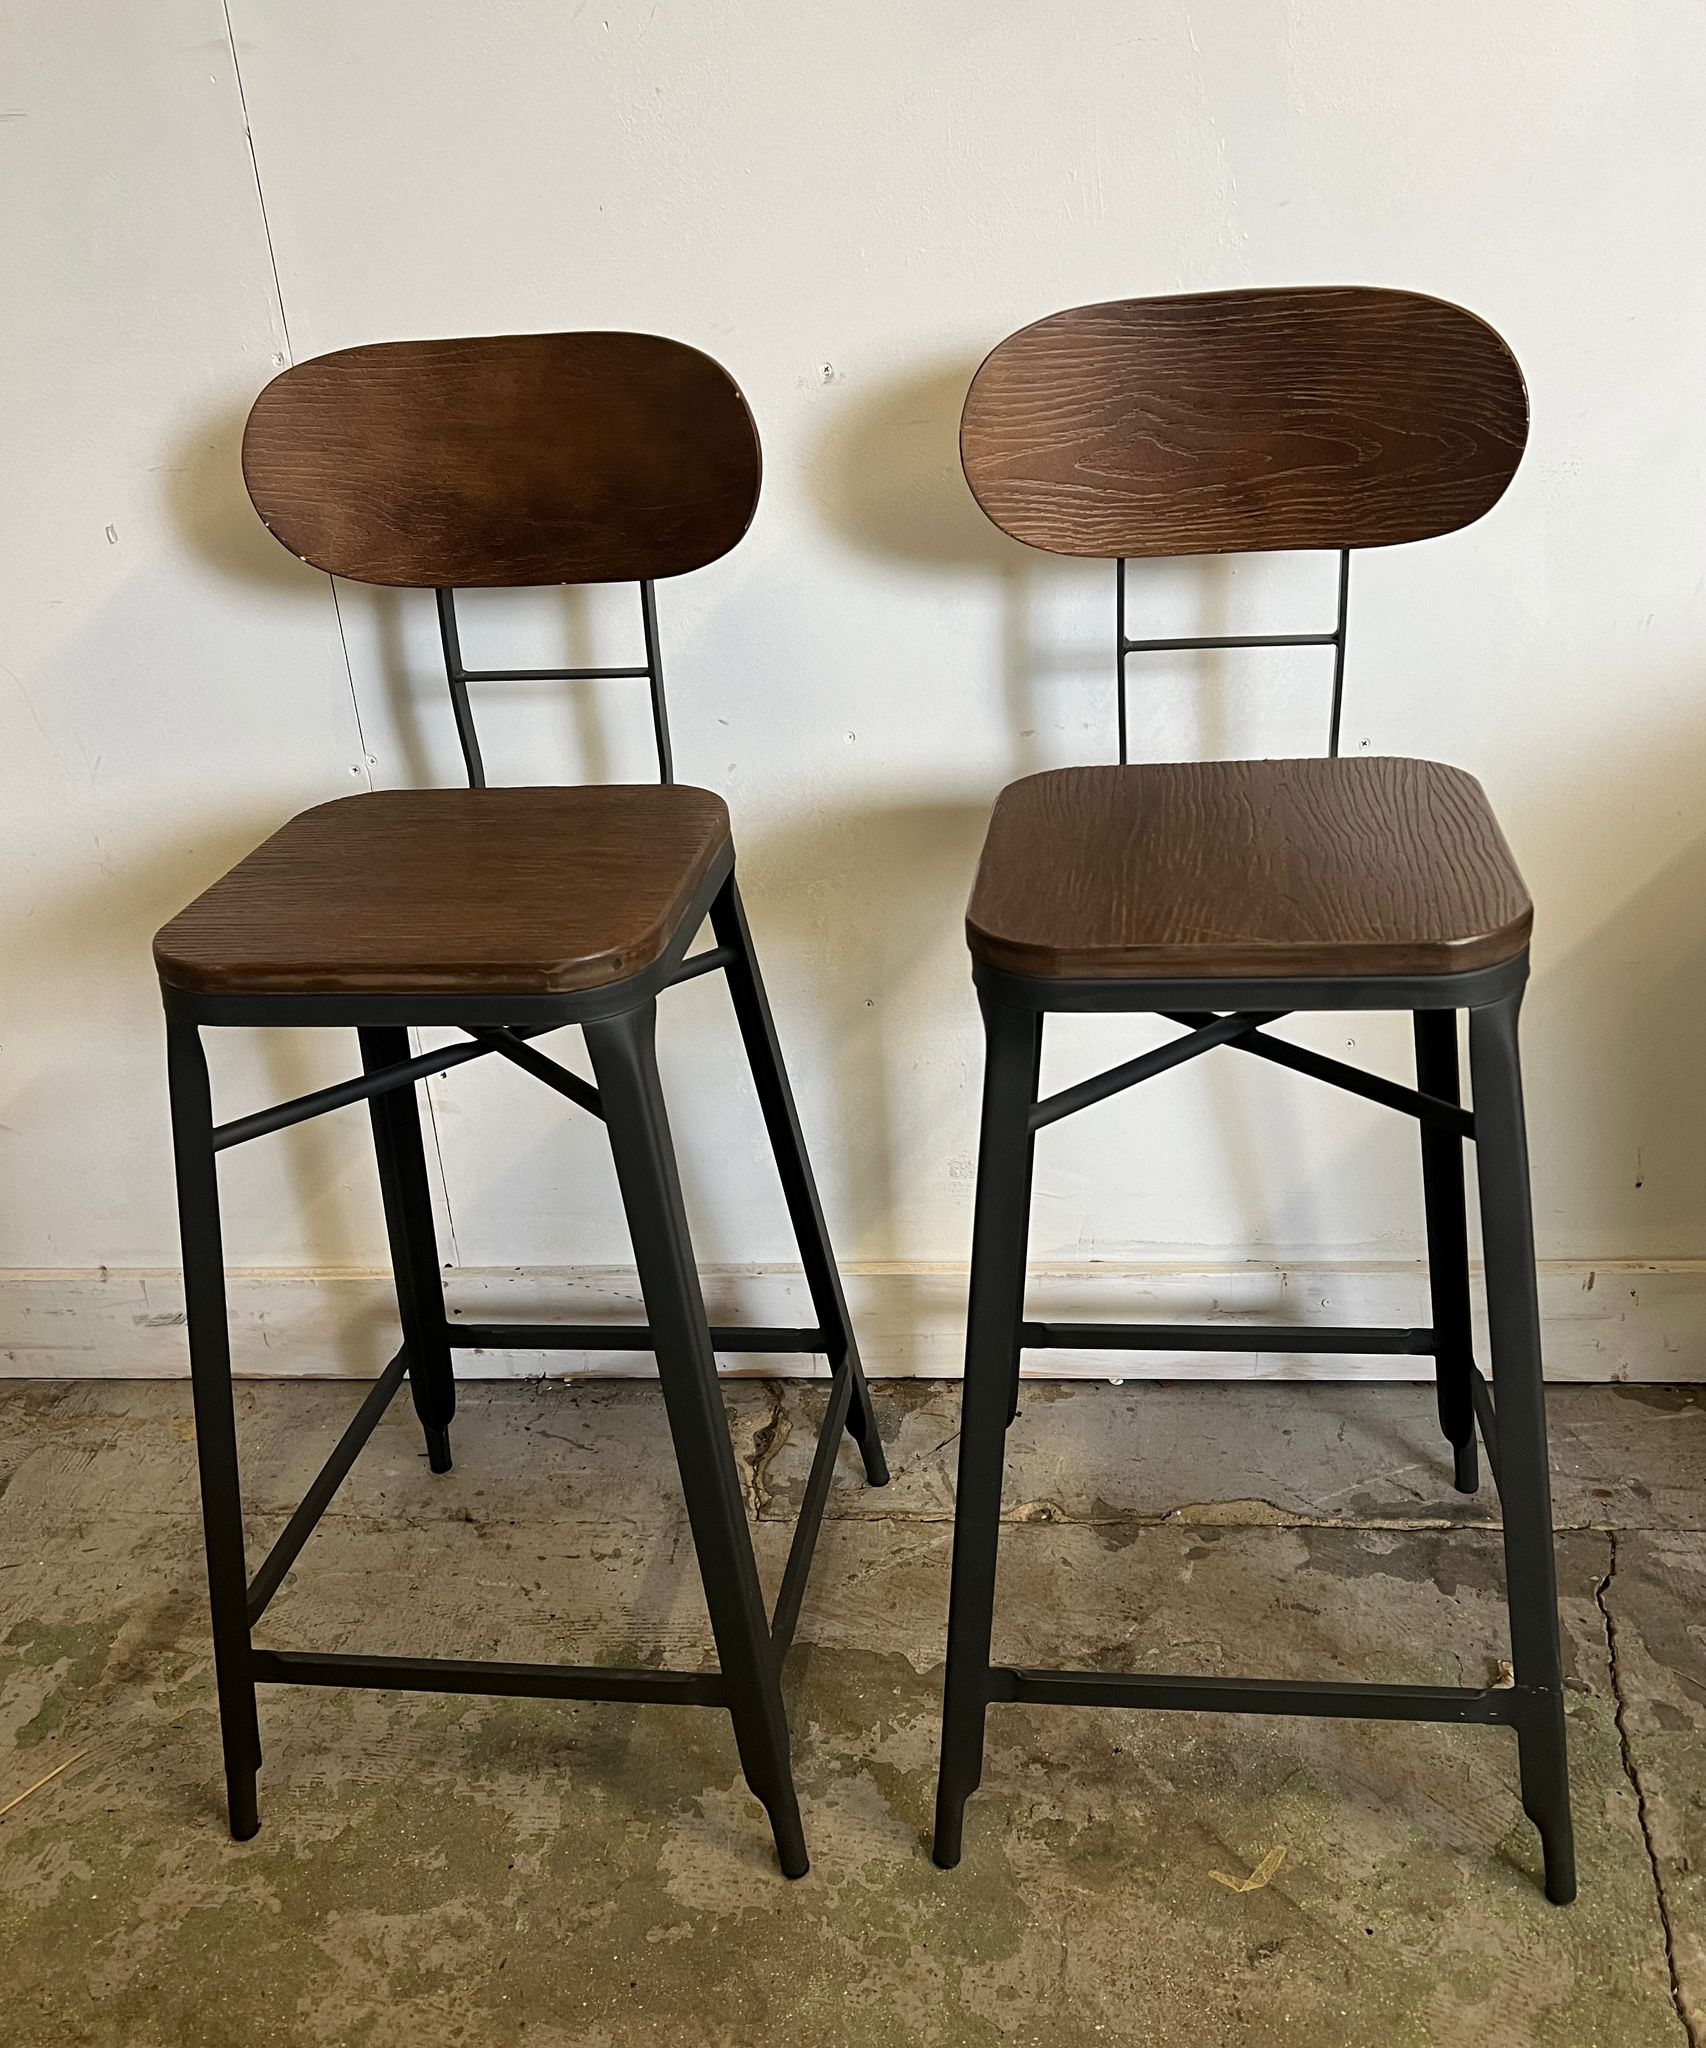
619,1024
1236,1013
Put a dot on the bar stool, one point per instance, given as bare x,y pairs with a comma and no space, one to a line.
506,914
1223,895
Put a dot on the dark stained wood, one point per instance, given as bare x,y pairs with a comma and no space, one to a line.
513,459
1330,418
1218,869
453,891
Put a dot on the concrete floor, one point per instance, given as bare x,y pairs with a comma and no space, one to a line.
437,1870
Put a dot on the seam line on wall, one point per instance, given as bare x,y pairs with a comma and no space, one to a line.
366,761
255,171
290,357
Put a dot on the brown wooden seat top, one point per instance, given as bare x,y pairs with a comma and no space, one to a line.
1223,869
453,891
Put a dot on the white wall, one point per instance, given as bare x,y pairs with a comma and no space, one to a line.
847,207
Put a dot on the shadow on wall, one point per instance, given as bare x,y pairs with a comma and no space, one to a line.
872,901
406,648
880,911
887,479
81,950
887,914
332,1207
212,512
1612,1024
887,476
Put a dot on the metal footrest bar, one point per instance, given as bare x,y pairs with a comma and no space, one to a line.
623,1337
533,1681
809,1521
317,1499
1353,1339
1486,1418
1147,1065
1428,1109
1495,1704
519,1053
473,1675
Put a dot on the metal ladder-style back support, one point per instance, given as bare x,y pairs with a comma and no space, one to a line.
1240,422
507,461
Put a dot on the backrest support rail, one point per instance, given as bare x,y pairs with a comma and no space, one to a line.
459,677
1200,643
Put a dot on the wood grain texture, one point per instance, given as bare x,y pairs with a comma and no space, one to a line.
1219,869
508,460
453,891
1341,417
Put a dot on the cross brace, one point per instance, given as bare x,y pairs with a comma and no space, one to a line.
512,1044
1244,1032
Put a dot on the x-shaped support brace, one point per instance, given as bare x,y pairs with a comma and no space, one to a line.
1245,1031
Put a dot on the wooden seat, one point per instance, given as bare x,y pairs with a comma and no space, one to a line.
1212,870
453,891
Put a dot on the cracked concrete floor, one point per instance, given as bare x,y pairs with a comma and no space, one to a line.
446,1870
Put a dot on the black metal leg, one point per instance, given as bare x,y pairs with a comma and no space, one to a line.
1448,1244
625,1066
781,1119
215,1422
1030,1163
414,1241
1513,1311
992,1331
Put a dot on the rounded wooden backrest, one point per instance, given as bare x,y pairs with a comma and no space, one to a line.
1341,417
506,460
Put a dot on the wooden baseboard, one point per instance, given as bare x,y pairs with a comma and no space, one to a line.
1623,1320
